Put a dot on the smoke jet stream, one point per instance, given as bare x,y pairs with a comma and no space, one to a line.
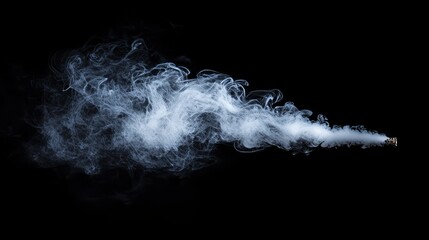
115,110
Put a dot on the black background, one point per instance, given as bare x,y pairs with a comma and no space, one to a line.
340,63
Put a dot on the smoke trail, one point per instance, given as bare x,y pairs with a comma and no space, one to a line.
115,110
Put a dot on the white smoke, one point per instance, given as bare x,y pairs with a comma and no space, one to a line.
117,111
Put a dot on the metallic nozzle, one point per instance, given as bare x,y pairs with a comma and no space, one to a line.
391,141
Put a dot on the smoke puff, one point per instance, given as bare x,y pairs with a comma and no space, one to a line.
115,110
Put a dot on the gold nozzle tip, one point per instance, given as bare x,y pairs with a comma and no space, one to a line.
393,141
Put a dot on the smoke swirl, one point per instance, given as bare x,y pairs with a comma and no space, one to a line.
116,110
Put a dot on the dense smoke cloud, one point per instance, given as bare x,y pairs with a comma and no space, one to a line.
116,110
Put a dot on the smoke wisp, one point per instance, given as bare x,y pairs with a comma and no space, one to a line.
116,110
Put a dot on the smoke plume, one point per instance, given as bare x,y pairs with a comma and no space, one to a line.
116,110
